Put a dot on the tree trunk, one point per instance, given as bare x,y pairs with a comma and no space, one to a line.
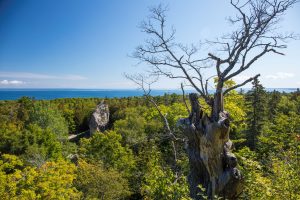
212,165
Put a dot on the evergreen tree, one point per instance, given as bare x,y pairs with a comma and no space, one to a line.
273,100
256,114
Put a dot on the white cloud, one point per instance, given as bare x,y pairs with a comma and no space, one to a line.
26,75
280,75
14,82
240,78
74,77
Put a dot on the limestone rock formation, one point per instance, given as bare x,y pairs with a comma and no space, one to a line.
99,119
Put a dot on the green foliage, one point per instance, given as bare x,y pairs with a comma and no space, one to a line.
25,107
235,106
272,171
41,144
173,113
132,127
11,139
257,186
281,132
53,180
96,182
134,158
49,118
107,148
162,183
29,141
286,175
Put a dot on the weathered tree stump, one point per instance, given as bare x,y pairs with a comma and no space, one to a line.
212,165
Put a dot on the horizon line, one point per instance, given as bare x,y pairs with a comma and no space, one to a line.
131,88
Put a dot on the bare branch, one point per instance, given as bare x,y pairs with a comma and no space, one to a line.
184,100
241,84
255,35
159,52
258,21
145,85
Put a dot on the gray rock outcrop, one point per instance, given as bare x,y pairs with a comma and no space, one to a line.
99,119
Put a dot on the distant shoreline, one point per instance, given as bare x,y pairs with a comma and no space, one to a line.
57,93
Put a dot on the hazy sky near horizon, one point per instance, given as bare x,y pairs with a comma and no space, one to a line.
85,44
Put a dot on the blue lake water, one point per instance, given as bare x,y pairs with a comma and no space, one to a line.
12,94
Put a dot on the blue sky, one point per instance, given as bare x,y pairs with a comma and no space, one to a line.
85,44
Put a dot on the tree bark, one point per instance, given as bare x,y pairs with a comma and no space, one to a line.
212,165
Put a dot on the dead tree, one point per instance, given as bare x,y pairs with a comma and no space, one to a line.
212,164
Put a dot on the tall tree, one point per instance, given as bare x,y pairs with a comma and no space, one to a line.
256,115
212,164
273,101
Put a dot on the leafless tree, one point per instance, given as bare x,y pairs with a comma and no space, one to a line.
256,34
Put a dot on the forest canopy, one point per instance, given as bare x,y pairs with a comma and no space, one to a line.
136,162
